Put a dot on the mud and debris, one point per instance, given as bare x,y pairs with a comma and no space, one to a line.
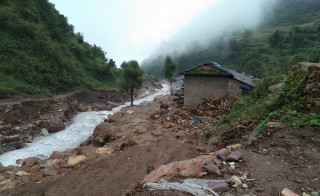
166,144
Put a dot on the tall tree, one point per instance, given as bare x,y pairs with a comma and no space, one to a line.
169,68
246,34
131,77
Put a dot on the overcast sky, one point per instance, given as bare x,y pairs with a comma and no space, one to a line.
129,29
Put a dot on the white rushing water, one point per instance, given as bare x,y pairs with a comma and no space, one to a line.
81,128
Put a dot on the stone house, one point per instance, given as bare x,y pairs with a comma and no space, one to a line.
210,80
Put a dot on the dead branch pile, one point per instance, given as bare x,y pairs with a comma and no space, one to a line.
214,106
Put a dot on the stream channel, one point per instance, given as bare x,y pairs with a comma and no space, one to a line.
81,129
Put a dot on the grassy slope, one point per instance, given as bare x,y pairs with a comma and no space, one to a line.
41,54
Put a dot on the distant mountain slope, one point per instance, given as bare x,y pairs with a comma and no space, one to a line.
40,53
291,34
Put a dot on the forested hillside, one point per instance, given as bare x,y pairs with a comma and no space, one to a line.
41,54
291,35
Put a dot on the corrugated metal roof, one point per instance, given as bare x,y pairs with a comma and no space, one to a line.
237,76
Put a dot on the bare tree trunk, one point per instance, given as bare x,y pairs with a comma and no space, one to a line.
131,97
171,89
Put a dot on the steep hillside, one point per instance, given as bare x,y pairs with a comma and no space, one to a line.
41,54
289,36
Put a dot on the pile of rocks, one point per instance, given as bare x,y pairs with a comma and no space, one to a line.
34,169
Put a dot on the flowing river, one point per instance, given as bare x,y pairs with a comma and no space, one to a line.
81,128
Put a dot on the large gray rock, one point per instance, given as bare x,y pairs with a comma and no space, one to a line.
275,125
253,136
53,125
212,169
218,185
235,156
275,87
45,132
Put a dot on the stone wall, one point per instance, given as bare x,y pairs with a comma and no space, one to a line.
198,87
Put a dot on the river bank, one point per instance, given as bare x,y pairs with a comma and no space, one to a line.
22,120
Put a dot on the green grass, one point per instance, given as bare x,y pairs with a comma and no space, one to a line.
286,106
40,53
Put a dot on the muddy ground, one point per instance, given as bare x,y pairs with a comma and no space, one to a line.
143,140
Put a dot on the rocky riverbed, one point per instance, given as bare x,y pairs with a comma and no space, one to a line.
22,120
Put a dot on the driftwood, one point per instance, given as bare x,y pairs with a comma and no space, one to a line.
214,106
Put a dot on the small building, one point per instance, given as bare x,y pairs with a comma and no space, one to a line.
210,80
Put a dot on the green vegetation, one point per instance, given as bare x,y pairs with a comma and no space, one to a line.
169,68
287,106
41,54
290,36
207,72
131,77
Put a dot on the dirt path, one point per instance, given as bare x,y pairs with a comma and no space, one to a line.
14,101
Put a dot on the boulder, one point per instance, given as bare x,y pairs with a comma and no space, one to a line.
253,136
22,173
31,161
275,125
53,125
222,156
104,131
102,151
218,185
185,168
44,132
82,107
141,130
76,159
88,151
50,172
275,87
61,155
53,163
212,169
234,156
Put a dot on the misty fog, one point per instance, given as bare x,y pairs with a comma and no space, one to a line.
221,18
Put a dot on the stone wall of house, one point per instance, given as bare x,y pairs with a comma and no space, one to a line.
198,87
234,91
